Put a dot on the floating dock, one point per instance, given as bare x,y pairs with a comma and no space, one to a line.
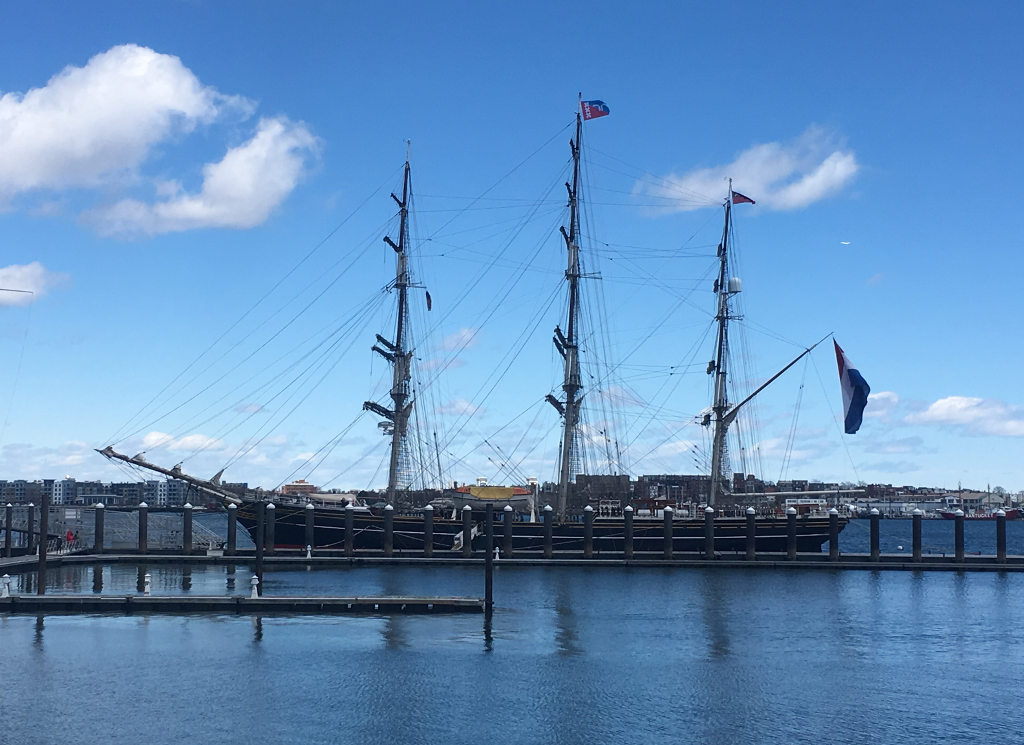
239,605
285,558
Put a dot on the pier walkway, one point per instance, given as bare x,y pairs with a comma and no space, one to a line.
284,558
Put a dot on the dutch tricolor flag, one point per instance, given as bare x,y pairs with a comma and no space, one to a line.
855,391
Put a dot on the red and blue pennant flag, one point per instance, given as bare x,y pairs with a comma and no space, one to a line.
738,198
855,391
594,109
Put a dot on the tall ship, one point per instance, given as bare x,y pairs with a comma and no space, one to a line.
521,503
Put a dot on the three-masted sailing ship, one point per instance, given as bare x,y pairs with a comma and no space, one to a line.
527,535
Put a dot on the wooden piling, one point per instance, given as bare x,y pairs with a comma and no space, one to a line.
186,529
489,557
709,532
261,519
751,534
428,531
548,531
588,532
833,534
875,552
271,518
44,532
667,533
8,521
143,527
916,546
349,530
1000,536
31,540
310,533
791,533
627,538
232,530
99,518
389,530
506,540
958,535
467,532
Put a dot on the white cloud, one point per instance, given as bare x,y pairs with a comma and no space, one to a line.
881,404
779,176
196,442
619,396
674,448
893,466
30,280
780,448
901,446
239,191
96,127
36,461
978,416
154,440
461,339
95,124
458,407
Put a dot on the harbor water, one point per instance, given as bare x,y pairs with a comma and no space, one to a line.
571,655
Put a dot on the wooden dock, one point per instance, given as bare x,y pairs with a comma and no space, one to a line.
286,558
237,604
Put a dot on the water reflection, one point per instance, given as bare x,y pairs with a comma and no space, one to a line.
257,629
566,633
231,577
97,579
37,640
140,582
488,636
715,613
394,625
186,578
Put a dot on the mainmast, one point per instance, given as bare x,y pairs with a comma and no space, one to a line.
567,342
725,288
397,419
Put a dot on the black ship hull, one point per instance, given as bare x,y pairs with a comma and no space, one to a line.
409,535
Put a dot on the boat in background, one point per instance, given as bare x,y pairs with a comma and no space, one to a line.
1011,514
478,496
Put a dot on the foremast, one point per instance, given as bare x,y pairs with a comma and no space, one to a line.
396,422
567,342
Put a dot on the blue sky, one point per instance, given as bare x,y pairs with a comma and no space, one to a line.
163,166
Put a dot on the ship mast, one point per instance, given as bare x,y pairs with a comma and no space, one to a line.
723,413
567,342
397,419
720,406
